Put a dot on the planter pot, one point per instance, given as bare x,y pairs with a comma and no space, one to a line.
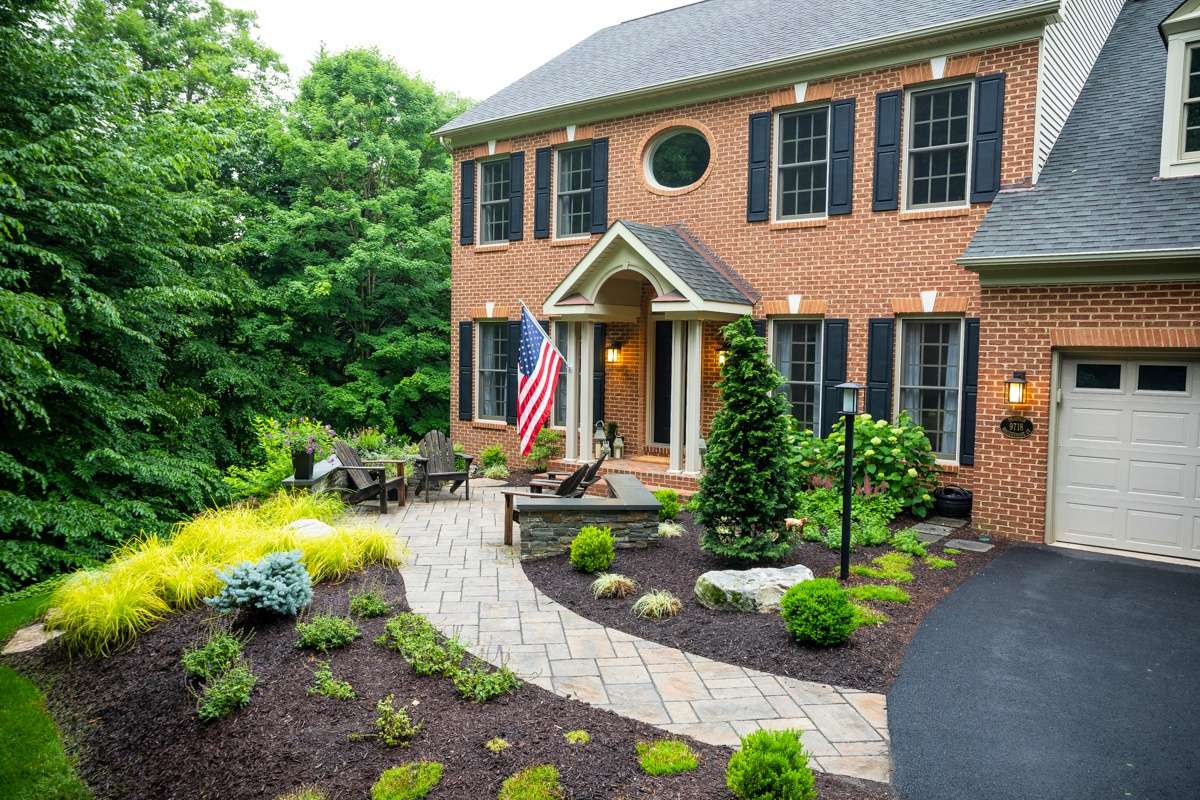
953,501
302,466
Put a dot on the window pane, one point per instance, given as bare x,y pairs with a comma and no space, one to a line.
574,191
1162,378
929,375
797,348
560,391
1098,376
680,160
493,369
1194,77
1192,122
803,165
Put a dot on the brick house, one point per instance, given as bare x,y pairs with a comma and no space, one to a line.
730,157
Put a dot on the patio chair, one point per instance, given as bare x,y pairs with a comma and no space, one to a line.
571,486
438,462
551,480
368,479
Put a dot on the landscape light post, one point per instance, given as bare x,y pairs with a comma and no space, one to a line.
849,410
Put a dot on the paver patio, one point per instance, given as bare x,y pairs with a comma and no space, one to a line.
469,585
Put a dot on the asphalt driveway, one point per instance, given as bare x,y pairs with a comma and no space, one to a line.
1054,675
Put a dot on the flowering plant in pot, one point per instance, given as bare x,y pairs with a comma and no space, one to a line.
307,440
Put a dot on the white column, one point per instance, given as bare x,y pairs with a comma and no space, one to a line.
691,436
587,364
678,354
571,376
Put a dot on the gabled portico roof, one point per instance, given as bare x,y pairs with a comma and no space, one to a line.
687,277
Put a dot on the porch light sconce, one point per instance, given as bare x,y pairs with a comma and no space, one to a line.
1014,388
613,354
722,355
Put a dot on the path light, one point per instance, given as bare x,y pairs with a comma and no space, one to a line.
850,392
1014,387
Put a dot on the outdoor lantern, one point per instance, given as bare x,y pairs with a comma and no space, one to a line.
1015,388
849,397
850,410
721,356
613,354
599,440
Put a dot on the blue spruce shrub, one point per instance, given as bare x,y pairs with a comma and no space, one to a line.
276,583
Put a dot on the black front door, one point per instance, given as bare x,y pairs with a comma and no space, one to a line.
661,432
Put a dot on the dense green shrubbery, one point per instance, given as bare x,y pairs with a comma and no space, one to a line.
493,456
220,651
277,583
770,765
668,508
325,632
592,549
411,781
818,611
325,685
369,603
226,693
546,445
869,517
749,484
479,683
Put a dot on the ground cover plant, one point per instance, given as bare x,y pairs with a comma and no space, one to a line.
891,566
771,765
369,603
411,781
325,632
325,685
304,793
592,549
220,651
935,562
534,783
226,693
666,757
579,737
479,683
874,592
496,745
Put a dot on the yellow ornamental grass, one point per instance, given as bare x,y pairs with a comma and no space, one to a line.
96,612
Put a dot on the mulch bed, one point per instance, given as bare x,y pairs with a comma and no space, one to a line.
131,720
869,661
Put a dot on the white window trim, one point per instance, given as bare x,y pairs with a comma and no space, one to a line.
906,136
1174,163
478,382
898,371
558,425
555,153
777,144
479,227
820,396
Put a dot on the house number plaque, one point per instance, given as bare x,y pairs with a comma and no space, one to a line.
1016,427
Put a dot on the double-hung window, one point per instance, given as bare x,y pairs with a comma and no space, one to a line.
930,380
558,416
796,347
493,371
493,202
1191,102
802,163
939,146
574,192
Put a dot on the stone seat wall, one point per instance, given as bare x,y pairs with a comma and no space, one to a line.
548,525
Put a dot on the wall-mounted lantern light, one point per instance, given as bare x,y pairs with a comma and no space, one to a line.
722,355
1014,388
613,354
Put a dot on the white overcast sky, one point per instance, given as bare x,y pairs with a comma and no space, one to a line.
472,48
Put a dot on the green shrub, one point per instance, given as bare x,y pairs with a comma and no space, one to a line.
534,783
496,472
325,632
411,781
215,657
420,645
262,478
394,726
577,737
950,551
891,566
592,549
668,504
366,440
770,765
479,683
546,445
749,484
610,584
492,456
657,604
869,517
906,541
818,611
666,757
226,693
496,745
369,603
933,562
670,530
277,583
875,592
325,685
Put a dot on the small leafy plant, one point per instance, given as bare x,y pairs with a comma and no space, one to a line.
369,603
951,551
657,604
821,508
496,472
876,593
325,685
276,583
419,645
546,445
934,562
478,683
611,584
215,657
668,504
770,765
325,632
670,530
411,781
496,745
906,541
666,757
226,693
534,783
865,616
592,549
818,611
492,456
393,726
578,737
894,567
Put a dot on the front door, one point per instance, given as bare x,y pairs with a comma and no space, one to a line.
663,346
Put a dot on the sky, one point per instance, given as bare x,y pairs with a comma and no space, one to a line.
472,48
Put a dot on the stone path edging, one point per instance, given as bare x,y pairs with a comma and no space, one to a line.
469,585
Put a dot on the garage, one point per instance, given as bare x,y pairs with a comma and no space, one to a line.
1127,455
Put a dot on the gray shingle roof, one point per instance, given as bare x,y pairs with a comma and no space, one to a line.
686,256
712,37
1100,190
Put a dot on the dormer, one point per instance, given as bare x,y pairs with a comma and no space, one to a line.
1181,108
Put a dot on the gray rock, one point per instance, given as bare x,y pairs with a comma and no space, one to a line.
757,589
967,544
30,638
310,527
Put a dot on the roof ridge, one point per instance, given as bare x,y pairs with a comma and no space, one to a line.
664,11
715,261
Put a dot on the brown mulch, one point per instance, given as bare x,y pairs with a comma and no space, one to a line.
869,661
130,719
519,477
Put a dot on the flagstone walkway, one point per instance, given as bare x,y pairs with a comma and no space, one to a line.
470,585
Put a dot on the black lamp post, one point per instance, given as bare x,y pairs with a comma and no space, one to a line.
850,393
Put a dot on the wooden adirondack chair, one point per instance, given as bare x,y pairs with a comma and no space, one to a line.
437,462
368,479
551,480
572,486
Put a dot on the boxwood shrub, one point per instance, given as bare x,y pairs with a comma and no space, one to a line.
818,611
592,549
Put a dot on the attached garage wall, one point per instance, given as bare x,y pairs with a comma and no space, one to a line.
1020,329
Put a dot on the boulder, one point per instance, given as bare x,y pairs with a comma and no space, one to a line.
757,589
311,528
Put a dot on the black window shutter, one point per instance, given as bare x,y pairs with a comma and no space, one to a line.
989,122
516,196
880,349
466,369
966,448
541,193
760,327
514,344
841,157
758,205
837,333
599,185
466,205
598,362
886,192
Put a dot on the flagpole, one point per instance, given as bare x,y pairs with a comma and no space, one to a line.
548,337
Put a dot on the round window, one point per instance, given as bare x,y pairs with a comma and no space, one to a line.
677,159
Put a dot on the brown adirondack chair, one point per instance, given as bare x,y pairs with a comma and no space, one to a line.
571,486
438,462
551,480
368,479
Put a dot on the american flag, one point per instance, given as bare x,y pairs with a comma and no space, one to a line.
538,363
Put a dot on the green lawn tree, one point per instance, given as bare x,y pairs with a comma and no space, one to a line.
748,487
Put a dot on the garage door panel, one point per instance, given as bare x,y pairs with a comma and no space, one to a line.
1155,530
1090,520
1092,472
1093,425
1160,428
1158,478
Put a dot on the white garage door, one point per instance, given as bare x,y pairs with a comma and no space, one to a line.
1127,467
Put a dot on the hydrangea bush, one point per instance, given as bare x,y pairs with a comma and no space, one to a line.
277,583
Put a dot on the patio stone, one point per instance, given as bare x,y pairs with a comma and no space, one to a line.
841,723
947,522
583,687
728,710
872,768
969,545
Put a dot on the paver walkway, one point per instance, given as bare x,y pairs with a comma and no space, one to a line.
469,585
